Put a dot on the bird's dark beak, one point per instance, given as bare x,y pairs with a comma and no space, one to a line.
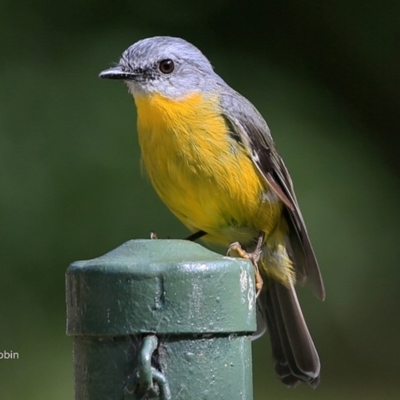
117,73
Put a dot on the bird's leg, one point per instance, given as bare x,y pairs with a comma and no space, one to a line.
196,235
192,237
236,250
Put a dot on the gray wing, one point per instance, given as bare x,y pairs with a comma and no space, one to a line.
249,128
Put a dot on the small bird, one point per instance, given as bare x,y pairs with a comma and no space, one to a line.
211,158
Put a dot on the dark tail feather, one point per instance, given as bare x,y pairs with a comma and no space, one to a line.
296,359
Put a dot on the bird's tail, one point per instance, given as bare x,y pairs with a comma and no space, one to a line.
296,359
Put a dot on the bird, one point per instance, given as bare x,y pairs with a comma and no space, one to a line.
211,158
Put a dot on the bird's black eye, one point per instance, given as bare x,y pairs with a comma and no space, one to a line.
166,66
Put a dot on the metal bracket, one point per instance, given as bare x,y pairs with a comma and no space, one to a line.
145,376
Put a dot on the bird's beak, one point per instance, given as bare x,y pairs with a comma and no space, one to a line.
117,73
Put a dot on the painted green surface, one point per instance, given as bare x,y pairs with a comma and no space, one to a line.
200,305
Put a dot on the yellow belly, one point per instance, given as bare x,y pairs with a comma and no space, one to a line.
203,175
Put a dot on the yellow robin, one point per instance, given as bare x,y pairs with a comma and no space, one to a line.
211,158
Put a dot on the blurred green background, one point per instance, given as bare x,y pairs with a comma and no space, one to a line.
326,77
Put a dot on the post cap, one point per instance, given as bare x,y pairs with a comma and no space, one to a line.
161,286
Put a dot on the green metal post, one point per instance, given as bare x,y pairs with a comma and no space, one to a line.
161,319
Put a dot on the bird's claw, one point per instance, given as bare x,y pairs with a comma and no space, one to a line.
236,250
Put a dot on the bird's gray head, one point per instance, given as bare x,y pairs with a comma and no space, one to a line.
165,65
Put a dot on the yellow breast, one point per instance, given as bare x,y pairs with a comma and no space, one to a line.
203,175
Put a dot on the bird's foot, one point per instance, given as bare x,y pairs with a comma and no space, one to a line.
236,250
